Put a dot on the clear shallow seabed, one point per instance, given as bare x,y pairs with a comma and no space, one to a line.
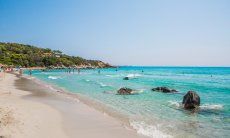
152,113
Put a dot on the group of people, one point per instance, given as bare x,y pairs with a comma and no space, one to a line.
69,70
4,70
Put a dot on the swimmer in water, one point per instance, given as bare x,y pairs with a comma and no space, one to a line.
78,70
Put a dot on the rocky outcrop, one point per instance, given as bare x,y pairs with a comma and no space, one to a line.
124,91
164,90
191,100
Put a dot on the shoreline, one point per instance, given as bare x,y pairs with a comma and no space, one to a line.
95,104
77,117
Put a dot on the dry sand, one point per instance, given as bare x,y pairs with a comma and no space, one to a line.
29,110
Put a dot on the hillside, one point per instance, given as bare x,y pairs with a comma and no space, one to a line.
30,56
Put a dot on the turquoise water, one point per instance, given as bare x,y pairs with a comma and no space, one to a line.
152,113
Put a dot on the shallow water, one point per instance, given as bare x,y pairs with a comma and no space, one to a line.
152,113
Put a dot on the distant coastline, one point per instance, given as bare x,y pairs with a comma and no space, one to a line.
28,56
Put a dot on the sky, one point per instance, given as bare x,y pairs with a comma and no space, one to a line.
124,32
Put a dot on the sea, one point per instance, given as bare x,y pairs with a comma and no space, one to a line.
150,113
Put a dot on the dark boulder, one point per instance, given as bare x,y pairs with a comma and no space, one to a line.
124,91
173,90
191,100
164,90
126,78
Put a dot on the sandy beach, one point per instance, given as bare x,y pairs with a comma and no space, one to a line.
29,110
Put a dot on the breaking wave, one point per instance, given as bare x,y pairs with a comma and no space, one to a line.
133,75
211,107
54,77
113,76
148,130
175,104
102,84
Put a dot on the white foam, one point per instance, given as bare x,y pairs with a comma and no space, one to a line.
44,73
174,104
113,76
54,77
211,107
102,84
148,130
133,75
139,91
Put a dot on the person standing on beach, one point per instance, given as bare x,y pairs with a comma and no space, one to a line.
1,72
20,72
4,72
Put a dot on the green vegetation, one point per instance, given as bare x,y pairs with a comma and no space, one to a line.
30,56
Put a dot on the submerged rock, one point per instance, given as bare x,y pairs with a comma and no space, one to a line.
173,90
191,100
124,91
126,78
164,90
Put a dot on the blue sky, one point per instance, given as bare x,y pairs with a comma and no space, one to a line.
124,32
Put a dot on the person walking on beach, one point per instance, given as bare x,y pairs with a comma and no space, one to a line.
20,72
4,72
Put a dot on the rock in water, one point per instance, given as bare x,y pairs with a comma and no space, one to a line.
164,90
126,78
124,91
191,100
173,90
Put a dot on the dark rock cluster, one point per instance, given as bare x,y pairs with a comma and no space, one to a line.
124,91
164,90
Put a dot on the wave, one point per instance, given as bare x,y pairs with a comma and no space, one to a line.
102,84
139,91
54,77
44,73
148,130
211,107
133,75
97,83
175,104
113,76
